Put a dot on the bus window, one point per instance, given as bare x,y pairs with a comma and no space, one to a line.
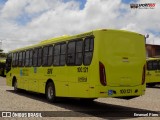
155,65
23,58
27,58
8,62
63,54
45,54
159,65
71,53
20,59
14,60
39,57
56,54
35,57
30,57
50,55
79,45
88,51
149,65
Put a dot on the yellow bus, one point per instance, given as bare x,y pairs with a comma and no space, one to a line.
153,72
99,63
2,67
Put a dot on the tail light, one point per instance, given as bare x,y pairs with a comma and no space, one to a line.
143,75
102,74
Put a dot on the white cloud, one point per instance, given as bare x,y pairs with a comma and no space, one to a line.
50,18
13,8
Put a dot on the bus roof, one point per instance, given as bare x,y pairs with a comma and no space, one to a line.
68,37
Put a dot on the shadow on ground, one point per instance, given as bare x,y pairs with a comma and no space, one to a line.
77,108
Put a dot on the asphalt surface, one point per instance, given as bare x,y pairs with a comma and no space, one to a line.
25,103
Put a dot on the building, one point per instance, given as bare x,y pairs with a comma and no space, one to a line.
152,50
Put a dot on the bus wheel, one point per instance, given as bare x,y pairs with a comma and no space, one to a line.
151,84
50,92
15,85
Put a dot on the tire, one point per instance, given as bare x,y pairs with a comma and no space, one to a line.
15,85
50,92
151,84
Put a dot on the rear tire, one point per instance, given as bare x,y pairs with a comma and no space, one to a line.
15,85
50,92
151,84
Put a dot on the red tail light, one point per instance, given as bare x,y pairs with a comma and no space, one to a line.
143,75
102,74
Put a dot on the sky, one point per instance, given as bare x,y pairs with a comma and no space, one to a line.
27,22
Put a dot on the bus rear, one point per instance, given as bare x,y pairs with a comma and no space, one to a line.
121,57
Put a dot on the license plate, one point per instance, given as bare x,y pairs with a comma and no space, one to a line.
125,91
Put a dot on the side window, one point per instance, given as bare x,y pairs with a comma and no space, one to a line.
45,55
23,58
50,55
20,59
59,54
39,57
35,57
79,48
88,50
159,65
8,62
56,54
30,57
14,60
27,58
149,65
63,54
71,53
155,65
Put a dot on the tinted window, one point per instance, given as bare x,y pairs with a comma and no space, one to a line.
71,53
63,55
88,50
56,55
20,59
39,56
35,57
50,55
27,58
8,62
79,48
30,57
45,55
159,65
59,54
155,65
23,58
152,65
14,59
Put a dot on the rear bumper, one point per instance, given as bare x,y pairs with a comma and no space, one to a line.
109,91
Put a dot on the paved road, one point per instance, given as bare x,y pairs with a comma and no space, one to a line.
27,101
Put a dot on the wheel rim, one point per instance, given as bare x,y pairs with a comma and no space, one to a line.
50,92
